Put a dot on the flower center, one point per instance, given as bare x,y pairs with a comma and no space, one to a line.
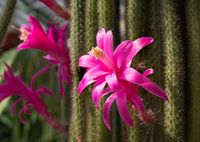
24,34
97,52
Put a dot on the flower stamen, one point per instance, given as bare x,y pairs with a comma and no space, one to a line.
97,52
24,33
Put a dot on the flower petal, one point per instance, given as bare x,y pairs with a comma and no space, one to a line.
34,22
89,77
107,107
135,77
108,44
60,82
138,44
112,81
87,61
51,59
122,51
100,38
44,69
98,89
105,92
123,109
148,72
44,90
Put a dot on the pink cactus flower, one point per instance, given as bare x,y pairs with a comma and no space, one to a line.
29,97
111,73
52,42
53,5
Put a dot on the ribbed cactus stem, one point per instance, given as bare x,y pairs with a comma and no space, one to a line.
91,29
134,15
174,72
105,13
92,24
6,17
78,117
193,82
105,20
153,58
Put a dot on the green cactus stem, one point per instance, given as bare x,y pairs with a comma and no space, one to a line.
193,82
153,58
134,16
77,130
6,17
105,13
91,29
106,17
174,72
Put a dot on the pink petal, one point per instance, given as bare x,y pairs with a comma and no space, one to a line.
51,59
22,46
123,109
122,51
34,22
133,97
107,107
108,44
87,61
14,105
41,71
89,77
98,89
148,72
60,83
20,115
100,38
4,92
112,81
105,92
135,77
44,90
138,44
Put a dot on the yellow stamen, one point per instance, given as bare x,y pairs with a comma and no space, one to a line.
24,33
97,52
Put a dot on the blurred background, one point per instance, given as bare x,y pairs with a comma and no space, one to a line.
27,63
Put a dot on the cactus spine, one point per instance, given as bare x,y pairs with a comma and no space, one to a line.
78,120
105,20
193,99
91,29
153,58
105,13
134,15
6,17
174,108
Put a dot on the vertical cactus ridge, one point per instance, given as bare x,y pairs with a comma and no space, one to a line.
193,82
105,13
91,29
6,17
77,130
134,22
106,18
174,73
134,16
153,58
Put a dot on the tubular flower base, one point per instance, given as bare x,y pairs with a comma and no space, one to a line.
111,73
52,42
53,5
30,98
